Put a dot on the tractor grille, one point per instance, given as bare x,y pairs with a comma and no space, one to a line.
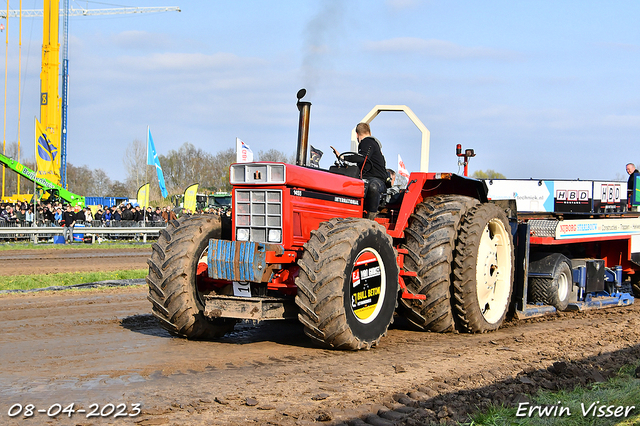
258,215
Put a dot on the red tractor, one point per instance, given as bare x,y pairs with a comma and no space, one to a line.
298,246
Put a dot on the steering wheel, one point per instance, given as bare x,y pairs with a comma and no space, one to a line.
342,162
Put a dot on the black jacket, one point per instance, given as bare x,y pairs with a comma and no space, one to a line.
373,164
68,218
632,180
127,215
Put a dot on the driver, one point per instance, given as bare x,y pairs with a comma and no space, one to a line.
372,166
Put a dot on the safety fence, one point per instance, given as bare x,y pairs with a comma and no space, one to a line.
112,230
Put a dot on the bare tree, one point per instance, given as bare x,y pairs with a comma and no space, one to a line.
220,166
135,164
79,179
101,184
186,166
489,174
277,156
119,189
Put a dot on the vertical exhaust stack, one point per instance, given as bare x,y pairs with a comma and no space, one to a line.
303,129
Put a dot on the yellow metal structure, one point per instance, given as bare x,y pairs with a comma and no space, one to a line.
50,102
4,136
18,198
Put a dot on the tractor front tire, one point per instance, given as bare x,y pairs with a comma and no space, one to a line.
430,239
348,284
483,269
173,280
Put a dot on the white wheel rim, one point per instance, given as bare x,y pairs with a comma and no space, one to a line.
493,271
563,287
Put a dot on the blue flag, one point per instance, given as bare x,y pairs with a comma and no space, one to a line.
152,160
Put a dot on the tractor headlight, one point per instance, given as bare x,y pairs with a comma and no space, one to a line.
257,173
275,235
242,234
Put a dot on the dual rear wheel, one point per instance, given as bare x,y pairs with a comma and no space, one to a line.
430,240
463,257
460,250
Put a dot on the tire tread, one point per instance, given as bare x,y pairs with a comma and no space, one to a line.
171,277
321,279
430,240
468,314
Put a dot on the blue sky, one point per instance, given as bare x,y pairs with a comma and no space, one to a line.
544,89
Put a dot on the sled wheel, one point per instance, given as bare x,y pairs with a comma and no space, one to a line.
553,291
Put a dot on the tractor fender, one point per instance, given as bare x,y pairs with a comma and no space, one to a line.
544,264
472,187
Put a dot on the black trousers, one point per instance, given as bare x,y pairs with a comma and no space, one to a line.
373,188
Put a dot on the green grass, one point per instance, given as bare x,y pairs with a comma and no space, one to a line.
28,282
622,390
77,246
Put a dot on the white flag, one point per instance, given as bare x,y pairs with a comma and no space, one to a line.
402,170
243,152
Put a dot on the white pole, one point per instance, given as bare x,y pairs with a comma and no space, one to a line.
34,224
148,195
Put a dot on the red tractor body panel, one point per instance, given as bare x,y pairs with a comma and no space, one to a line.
323,181
308,198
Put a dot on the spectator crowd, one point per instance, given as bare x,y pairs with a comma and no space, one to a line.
124,215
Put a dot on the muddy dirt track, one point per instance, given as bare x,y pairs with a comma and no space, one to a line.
48,261
103,347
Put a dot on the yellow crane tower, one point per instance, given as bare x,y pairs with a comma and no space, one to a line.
52,106
50,102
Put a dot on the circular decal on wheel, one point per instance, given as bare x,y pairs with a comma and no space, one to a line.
367,289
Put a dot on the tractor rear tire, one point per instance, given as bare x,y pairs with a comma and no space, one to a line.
172,279
348,284
430,239
483,269
553,291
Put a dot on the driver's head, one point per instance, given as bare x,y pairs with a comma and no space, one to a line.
392,176
631,168
362,131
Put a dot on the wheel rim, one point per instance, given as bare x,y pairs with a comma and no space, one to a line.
563,287
493,272
367,285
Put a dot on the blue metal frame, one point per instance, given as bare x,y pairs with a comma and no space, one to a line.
65,90
236,260
585,300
